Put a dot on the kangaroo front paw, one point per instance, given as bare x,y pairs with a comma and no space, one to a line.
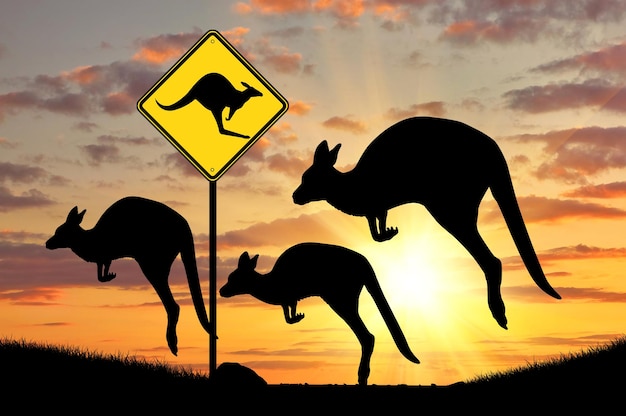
297,318
107,277
388,234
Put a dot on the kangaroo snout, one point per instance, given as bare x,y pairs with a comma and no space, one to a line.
300,198
297,199
52,244
225,293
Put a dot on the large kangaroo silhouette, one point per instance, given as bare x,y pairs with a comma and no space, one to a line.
445,165
216,93
335,274
151,233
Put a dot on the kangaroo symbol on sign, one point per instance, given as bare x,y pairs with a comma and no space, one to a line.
216,93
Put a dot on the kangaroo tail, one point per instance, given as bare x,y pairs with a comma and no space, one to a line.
188,257
373,287
188,98
503,193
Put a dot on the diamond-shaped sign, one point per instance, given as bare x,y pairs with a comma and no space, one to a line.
212,105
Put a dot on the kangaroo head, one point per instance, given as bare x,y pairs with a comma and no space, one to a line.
251,91
240,280
316,179
65,235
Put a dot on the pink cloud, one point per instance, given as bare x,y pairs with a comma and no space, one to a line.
117,103
285,163
278,58
19,173
112,89
611,59
29,199
564,96
577,153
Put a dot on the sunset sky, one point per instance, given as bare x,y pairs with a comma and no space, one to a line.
546,79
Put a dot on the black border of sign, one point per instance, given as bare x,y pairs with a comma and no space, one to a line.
213,33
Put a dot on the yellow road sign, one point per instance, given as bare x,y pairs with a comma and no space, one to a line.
212,105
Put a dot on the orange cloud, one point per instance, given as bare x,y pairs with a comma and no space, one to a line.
433,108
273,6
235,35
608,190
584,294
325,226
568,253
345,11
282,133
82,75
162,48
299,108
345,123
549,210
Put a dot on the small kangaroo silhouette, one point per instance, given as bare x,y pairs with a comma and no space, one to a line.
216,93
151,233
445,165
335,274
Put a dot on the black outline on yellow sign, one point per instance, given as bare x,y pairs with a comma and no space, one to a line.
216,35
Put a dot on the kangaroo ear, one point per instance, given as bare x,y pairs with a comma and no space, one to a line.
333,154
324,156
74,217
244,259
254,260
245,84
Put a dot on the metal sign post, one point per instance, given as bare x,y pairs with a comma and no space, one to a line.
213,274
188,106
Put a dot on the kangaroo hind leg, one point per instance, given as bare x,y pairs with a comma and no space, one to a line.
157,273
461,223
220,125
348,310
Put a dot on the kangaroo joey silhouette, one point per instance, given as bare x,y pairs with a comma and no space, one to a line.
445,165
151,233
335,274
216,93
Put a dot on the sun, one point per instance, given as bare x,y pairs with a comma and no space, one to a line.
415,275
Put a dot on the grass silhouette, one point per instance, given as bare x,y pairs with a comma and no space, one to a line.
76,381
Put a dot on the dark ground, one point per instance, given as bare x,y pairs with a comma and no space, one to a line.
38,383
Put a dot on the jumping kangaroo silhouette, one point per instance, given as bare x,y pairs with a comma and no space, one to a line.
335,274
216,93
151,233
445,165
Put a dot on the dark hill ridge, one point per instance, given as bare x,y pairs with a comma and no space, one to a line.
47,378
